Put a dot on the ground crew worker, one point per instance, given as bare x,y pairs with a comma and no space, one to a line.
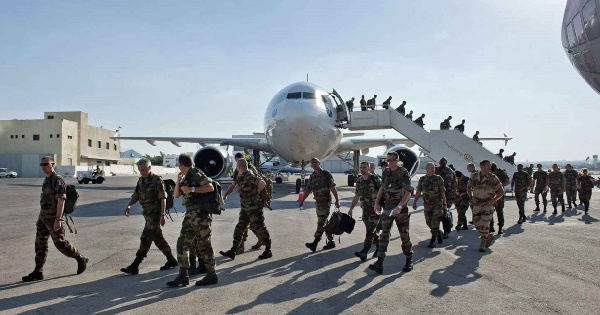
150,192
500,153
402,108
499,206
476,137
419,121
557,187
449,180
363,103
321,184
540,178
434,201
462,200
586,183
252,193
460,127
511,158
395,191
387,103
190,182
521,183
445,125
485,190
410,115
571,176
49,223
367,186
350,105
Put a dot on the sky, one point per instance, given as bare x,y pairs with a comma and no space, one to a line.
209,68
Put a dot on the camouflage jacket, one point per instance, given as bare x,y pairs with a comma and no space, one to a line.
432,189
484,187
541,179
149,191
557,180
529,170
521,181
449,178
502,176
571,178
395,185
586,183
53,188
248,188
320,185
251,167
193,178
367,190
461,191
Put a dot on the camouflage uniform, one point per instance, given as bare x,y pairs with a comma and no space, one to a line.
150,191
522,182
541,179
445,125
419,122
484,188
196,225
557,184
449,178
367,191
571,186
53,189
499,206
395,185
586,184
432,188
251,212
462,201
320,185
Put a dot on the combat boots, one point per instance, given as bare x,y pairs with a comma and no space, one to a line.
329,245
574,204
201,269
241,248
377,266
81,264
210,278
408,266
431,242
440,237
482,245
569,205
563,207
492,230
266,254
537,207
258,244
500,229
362,255
171,263
230,254
36,275
554,212
133,269
182,279
313,246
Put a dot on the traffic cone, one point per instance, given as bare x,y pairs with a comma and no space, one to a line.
301,194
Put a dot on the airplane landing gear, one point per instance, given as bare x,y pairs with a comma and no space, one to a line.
301,182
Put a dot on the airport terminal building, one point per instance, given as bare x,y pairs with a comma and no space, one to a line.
64,135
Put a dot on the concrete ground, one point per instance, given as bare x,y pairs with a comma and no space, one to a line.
548,265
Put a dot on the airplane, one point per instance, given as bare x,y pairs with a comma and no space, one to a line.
302,121
581,39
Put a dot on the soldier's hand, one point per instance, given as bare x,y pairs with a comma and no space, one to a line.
350,212
57,225
414,206
180,176
127,211
186,189
224,198
162,220
395,212
337,204
491,202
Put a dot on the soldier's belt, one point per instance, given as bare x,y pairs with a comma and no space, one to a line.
482,200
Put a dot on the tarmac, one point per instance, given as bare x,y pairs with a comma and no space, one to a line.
548,265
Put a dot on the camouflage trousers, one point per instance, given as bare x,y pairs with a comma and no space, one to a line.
584,196
433,217
499,209
153,233
462,206
403,223
449,198
323,208
196,226
556,194
372,226
521,197
571,193
482,215
536,197
256,221
44,230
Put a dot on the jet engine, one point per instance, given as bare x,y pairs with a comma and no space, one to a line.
409,159
213,161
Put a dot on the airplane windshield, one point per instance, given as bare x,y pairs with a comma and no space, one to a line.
308,95
294,95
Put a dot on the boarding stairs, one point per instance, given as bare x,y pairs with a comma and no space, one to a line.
456,147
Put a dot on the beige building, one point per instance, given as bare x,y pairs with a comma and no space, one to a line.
64,135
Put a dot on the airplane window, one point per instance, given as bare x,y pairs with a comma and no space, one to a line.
591,62
570,35
590,20
308,95
294,95
578,28
579,62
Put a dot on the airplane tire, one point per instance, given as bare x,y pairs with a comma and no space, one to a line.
298,184
351,180
278,180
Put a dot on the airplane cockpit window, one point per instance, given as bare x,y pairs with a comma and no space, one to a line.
590,20
578,28
570,35
308,95
294,95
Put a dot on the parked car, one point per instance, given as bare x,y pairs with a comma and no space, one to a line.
4,172
90,177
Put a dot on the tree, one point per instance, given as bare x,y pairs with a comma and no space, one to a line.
155,160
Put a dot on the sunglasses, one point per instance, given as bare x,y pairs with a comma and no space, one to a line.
44,164
392,160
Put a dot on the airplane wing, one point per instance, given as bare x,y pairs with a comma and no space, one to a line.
250,143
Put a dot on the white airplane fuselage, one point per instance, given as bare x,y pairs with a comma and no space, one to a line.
300,123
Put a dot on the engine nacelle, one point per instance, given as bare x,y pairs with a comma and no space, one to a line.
409,159
213,161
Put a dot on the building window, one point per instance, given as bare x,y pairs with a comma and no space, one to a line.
107,146
90,143
58,135
99,144
51,136
70,137
36,137
22,136
50,117
12,136
115,146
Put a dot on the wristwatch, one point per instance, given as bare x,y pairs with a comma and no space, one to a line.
193,189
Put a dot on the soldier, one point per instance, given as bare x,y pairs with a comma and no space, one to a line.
445,125
529,171
410,115
476,137
571,176
433,190
419,121
252,196
586,183
462,201
499,206
556,181
449,181
321,184
190,182
540,178
485,190
383,165
350,105
367,186
372,168
402,108
371,102
49,223
521,183
460,127
363,103
387,103
511,158
395,192
150,192
500,153
471,169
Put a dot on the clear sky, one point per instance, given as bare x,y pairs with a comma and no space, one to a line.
209,68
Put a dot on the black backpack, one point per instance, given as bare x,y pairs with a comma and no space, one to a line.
170,189
447,221
70,203
212,201
339,223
